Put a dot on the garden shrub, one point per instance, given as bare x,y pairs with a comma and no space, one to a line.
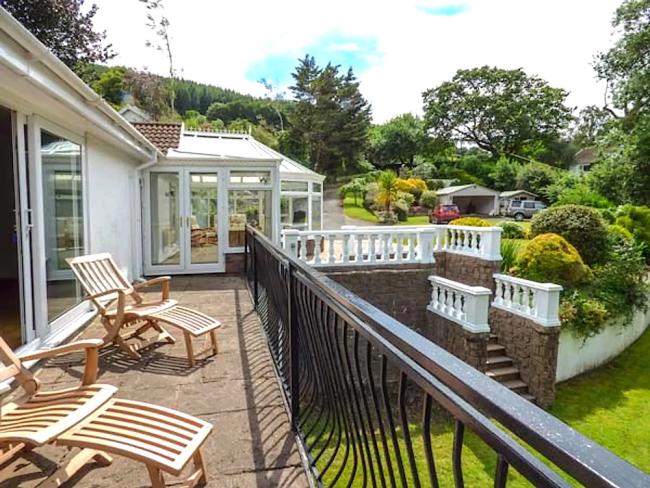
372,190
619,234
386,218
428,199
401,209
581,194
512,231
425,171
435,184
510,250
582,315
414,186
550,258
636,219
582,226
607,215
471,222
406,197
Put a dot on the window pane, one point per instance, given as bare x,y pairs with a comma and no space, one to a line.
248,207
64,228
316,213
294,212
250,177
203,243
165,222
317,187
294,186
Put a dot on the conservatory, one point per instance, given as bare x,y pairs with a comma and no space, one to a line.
198,199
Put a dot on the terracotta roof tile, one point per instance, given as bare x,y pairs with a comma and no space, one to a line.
163,136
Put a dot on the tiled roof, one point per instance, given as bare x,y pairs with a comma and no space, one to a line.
163,136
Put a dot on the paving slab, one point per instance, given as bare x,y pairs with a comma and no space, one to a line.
236,390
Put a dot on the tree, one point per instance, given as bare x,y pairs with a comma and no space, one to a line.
498,110
592,123
504,175
625,66
158,22
387,193
535,177
331,118
397,142
111,85
150,91
62,26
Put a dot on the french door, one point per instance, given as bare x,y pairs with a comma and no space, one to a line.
182,229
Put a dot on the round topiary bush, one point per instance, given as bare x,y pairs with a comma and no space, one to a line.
582,226
471,222
550,258
512,231
401,209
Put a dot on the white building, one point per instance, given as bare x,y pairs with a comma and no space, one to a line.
470,199
78,178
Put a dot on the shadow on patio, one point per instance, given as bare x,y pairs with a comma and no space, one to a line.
236,391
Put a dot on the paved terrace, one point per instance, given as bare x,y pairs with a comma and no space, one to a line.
236,391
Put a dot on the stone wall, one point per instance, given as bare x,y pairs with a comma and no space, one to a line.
532,348
469,270
468,346
401,291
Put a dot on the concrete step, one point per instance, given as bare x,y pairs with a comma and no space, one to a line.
528,397
494,338
517,386
504,374
498,361
495,350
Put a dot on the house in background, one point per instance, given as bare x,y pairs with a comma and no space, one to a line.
584,160
506,196
78,178
470,199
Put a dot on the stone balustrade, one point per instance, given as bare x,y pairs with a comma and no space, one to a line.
361,246
356,246
539,302
463,304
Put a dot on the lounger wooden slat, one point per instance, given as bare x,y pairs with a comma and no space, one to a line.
109,289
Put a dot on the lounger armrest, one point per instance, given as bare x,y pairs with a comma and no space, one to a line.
113,291
163,281
90,346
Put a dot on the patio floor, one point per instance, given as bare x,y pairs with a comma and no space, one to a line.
236,391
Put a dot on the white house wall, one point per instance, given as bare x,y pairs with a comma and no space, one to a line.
110,191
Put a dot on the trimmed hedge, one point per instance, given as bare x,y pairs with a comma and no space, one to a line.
583,227
512,231
550,258
471,222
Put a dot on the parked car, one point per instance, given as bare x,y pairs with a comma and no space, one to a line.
443,214
523,209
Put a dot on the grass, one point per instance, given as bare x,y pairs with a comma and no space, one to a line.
611,405
357,211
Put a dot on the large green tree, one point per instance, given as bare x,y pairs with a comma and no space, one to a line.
331,117
498,110
64,28
397,142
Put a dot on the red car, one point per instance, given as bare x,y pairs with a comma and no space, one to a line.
443,214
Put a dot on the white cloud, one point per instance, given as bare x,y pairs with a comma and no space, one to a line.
217,41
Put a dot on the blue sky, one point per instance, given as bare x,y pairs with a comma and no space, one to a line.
398,48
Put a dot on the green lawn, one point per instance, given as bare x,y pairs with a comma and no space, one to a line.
610,405
357,211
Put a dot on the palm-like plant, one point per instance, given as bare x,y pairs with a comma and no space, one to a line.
387,194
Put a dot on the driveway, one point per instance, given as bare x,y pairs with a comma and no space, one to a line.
333,216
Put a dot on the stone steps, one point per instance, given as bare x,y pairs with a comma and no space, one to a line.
501,368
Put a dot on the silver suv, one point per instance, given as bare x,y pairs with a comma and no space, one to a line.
523,209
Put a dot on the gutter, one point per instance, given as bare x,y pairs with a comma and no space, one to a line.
39,53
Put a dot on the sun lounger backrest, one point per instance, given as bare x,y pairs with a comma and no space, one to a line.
12,367
98,274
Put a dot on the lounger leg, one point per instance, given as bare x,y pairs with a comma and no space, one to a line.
67,471
213,338
157,480
7,453
199,464
127,348
164,334
190,349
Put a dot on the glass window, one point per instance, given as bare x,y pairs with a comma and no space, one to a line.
316,212
64,224
250,177
248,207
294,186
529,204
294,212
165,221
204,245
317,187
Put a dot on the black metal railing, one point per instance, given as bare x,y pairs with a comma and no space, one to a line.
373,403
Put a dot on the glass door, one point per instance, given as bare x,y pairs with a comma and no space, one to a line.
202,224
183,222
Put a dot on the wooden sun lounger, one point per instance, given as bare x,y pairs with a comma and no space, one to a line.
89,418
109,290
